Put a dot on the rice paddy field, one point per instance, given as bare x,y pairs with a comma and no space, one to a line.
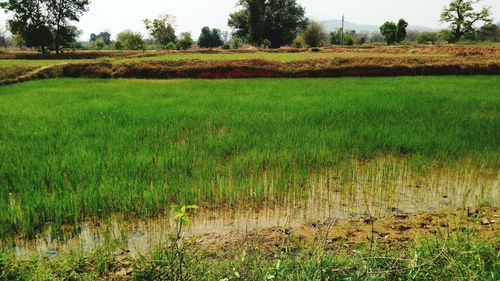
294,179
74,149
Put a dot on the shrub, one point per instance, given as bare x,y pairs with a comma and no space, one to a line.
314,35
297,42
236,42
266,44
427,38
226,47
117,45
185,41
171,46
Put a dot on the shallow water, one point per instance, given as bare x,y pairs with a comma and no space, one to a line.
370,194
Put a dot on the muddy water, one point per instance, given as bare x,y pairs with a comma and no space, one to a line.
368,195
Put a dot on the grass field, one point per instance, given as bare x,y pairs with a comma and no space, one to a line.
78,148
282,57
87,148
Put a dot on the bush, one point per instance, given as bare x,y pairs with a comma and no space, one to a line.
297,43
315,35
131,40
427,38
226,47
185,41
446,35
236,42
171,46
117,45
266,44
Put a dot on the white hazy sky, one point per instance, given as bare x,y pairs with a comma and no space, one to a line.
116,15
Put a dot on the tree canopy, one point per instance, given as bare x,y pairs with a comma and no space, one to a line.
278,21
45,24
315,35
210,38
462,17
394,33
162,29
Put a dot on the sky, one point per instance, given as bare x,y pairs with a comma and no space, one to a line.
117,15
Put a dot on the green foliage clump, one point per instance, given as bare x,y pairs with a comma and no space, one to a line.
162,29
210,38
185,41
314,35
130,40
279,21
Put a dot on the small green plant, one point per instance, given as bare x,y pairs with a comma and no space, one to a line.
266,44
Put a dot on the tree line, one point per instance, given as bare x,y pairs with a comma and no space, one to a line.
46,25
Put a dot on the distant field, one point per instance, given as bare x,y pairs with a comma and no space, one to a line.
283,57
25,62
76,148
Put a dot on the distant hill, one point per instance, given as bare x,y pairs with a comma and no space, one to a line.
332,25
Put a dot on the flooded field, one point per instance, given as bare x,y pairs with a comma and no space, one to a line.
367,195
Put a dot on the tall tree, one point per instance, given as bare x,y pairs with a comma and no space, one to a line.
278,21
401,32
61,12
314,35
210,38
462,16
29,21
162,29
390,32
44,24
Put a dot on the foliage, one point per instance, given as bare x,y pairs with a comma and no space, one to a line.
266,44
278,21
236,42
44,24
390,32
462,16
401,30
336,37
104,37
162,29
427,38
130,40
488,32
315,35
185,41
210,38
117,45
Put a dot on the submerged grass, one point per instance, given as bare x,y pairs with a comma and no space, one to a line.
79,148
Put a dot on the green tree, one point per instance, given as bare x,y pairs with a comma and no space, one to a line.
29,20
185,41
105,38
401,32
427,38
60,14
162,29
390,32
278,21
315,35
488,31
44,24
210,38
462,16
348,37
130,40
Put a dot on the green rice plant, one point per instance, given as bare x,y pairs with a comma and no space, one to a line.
74,149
